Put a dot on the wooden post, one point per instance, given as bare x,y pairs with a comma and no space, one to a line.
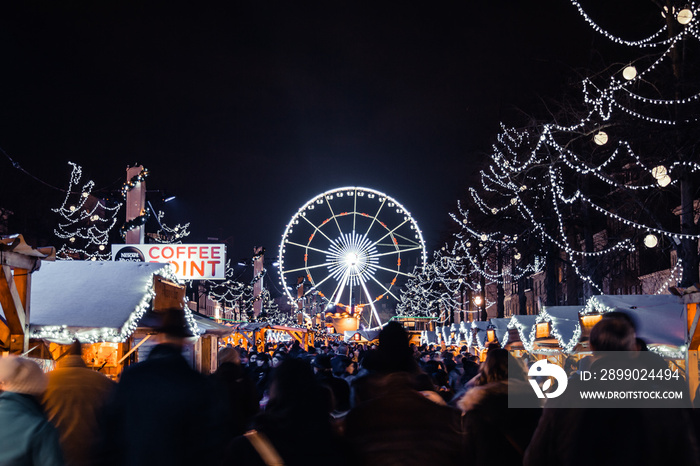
13,298
16,270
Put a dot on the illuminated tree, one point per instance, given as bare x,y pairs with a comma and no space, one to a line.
436,290
86,221
606,175
168,235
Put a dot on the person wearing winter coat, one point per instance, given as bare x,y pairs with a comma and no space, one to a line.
73,401
27,437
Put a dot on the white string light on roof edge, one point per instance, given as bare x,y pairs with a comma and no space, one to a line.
65,334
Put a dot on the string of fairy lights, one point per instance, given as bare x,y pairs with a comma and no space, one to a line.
234,294
437,289
145,214
66,334
86,221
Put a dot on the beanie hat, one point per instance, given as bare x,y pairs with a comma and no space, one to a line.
22,375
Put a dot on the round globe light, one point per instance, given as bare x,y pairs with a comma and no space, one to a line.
629,73
664,181
601,138
651,241
659,172
684,16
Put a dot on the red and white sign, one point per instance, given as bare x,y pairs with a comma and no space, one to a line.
190,261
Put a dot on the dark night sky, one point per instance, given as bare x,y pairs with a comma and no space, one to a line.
245,110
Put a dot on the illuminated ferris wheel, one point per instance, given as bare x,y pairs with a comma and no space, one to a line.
353,246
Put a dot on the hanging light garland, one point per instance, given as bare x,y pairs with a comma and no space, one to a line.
86,221
135,180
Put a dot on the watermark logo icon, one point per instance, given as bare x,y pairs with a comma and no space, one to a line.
543,368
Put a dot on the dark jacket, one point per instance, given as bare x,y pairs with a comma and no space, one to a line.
26,436
396,425
237,390
621,435
163,412
496,434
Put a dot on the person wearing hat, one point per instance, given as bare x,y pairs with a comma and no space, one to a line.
26,437
163,411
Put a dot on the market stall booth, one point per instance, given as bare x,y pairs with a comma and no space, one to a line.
556,333
520,328
248,335
206,348
18,263
362,336
660,320
277,333
666,323
482,335
100,304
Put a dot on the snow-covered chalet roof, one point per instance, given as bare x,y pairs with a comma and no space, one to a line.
93,300
660,319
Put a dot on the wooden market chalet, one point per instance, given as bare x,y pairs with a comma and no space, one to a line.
47,304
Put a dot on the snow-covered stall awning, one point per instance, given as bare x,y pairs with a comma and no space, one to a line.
365,335
565,326
208,326
661,320
94,301
449,334
429,337
480,327
523,325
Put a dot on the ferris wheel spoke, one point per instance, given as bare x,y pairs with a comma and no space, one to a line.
306,246
354,211
390,232
398,251
335,219
340,286
317,229
385,288
374,219
325,264
316,285
370,300
393,271
407,239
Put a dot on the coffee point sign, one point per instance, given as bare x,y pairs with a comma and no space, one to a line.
190,261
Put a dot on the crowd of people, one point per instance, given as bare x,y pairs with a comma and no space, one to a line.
392,403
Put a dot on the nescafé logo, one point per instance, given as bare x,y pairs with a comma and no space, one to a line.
129,254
